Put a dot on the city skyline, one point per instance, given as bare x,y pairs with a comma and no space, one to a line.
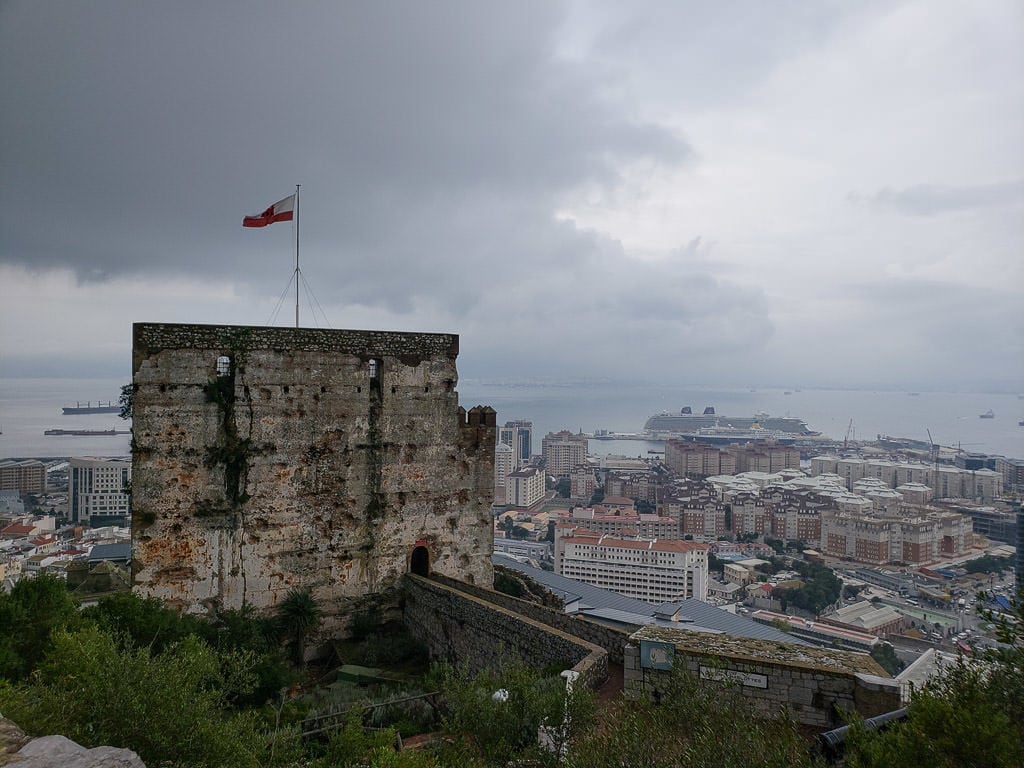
741,195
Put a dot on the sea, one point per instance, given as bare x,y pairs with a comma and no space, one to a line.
28,407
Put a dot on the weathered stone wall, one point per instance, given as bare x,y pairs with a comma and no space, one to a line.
815,685
612,640
466,631
266,459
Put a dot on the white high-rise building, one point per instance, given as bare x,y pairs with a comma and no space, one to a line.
525,487
653,570
98,487
504,465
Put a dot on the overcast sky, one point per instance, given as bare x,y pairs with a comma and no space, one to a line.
735,193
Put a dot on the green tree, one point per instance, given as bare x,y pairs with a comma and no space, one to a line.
126,400
886,657
234,632
170,707
714,563
972,714
494,716
954,721
29,615
146,621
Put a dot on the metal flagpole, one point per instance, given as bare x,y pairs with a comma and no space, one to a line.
297,255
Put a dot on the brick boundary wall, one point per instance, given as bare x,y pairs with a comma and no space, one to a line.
612,640
466,630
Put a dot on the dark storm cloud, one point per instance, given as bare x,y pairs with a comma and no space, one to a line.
432,140
522,174
934,199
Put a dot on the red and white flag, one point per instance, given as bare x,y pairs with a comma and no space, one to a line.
282,210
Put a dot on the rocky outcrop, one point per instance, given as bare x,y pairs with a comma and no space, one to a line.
20,751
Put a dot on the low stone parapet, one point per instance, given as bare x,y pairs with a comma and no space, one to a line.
814,686
469,632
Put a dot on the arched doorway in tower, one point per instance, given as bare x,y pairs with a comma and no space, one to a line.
419,563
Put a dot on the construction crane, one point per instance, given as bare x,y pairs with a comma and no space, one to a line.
849,430
935,451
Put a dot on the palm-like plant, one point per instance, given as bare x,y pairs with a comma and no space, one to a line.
298,616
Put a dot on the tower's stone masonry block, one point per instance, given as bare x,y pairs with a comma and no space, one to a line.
266,459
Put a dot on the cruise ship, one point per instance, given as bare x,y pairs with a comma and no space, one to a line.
686,422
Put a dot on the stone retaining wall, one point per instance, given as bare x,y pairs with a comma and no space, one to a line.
612,640
814,685
465,630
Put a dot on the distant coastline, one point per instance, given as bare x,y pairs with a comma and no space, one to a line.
29,406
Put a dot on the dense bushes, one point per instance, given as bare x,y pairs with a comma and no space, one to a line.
183,691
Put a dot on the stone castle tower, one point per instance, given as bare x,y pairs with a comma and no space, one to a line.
267,459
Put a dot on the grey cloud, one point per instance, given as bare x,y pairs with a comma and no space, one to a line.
431,140
664,320
442,147
697,53
935,199
958,330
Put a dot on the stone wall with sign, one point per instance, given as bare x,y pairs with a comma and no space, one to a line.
815,685
268,459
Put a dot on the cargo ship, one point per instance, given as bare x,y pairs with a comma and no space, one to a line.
100,407
87,432
686,422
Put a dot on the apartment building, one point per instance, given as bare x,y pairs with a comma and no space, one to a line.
504,465
655,571
749,513
697,460
562,451
1012,471
762,457
525,487
996,524
98,488
582,482
947,482
915,538
640,485
619,523
25,477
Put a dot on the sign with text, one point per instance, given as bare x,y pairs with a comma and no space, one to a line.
656,655
731,675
